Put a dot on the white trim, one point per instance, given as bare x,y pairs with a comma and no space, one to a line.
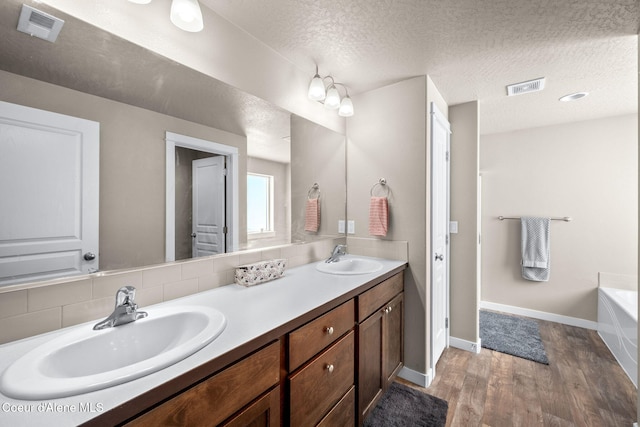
418,378
542,315
174,140
473,347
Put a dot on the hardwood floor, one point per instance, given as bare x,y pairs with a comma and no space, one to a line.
583,385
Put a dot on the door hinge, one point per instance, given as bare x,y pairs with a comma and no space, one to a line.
446,240
224,230
447,157
224,171
446,322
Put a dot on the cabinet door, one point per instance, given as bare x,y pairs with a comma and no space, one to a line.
370,376
264,412
392,339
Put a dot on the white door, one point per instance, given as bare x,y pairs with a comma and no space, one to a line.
208,206
49,184
440,132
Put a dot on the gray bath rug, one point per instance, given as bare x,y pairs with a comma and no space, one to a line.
403,406
512,335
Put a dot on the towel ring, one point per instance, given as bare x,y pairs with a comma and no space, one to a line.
383,184
315,187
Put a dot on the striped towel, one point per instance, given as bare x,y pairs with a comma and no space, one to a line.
378,216
312,215
536,258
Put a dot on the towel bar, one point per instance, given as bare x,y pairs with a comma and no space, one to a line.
566,218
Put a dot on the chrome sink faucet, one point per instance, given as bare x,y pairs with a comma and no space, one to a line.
126,310
338,251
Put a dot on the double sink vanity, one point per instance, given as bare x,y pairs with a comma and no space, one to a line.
316,347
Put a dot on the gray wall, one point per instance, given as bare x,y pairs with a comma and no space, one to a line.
585,170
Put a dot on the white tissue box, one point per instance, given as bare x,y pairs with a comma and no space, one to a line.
260,272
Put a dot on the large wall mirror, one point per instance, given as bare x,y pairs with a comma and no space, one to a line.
137,96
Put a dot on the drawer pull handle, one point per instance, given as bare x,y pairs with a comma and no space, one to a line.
330,368
329,330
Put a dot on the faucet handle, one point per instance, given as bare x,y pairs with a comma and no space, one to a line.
125,295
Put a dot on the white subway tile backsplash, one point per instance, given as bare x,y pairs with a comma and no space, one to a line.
158,276
59,295
13,303
197,268
94,310
28,324
180,289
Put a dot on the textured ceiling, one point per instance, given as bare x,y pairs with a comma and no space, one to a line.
471,49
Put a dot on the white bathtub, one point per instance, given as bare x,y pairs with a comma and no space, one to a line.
618,326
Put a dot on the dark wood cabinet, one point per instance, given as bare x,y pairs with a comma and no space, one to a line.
226,393
328,368
380,342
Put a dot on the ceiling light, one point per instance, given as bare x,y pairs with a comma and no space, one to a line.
573,96
329,95
185,14
346,107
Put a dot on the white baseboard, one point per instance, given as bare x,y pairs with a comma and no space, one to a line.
418,378
473,347
542,315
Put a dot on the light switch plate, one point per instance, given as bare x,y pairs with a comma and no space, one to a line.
341,226
351,227
453,227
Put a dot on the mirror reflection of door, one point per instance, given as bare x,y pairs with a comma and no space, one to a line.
49,170
208,200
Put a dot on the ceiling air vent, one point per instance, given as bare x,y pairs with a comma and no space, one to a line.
526,87
39,24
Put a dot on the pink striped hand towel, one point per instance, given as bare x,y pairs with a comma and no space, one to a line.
312,215
378,216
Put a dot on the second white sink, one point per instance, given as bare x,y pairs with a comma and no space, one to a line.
348,265
85,360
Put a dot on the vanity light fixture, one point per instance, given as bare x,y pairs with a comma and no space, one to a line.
328,94
573,96
185,14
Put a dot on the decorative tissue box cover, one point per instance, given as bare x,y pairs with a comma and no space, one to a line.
260,272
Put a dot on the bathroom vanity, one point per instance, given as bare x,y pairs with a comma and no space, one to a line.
308,349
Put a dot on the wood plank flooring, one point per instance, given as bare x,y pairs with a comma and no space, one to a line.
583,385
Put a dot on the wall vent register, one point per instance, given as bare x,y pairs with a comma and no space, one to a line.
39,24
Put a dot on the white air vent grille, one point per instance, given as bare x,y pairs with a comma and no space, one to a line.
526,87
39,24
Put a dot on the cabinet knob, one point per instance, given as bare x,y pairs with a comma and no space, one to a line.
390,309
329,368
329,330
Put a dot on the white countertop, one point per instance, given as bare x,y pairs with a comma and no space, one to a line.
251,312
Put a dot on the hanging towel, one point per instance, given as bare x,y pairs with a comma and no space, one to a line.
378,216
312,215
536,260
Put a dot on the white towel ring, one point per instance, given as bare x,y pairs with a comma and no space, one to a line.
383,184
314,188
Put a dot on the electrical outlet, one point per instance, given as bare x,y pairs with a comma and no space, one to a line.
351,227
341,226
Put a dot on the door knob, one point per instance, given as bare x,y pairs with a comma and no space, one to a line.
89,256
439,257
193,235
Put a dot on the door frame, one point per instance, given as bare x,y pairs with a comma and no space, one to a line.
436,115
174,140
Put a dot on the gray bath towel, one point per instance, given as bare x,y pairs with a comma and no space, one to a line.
536,259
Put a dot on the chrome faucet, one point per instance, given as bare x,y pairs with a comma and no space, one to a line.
126,310
338,251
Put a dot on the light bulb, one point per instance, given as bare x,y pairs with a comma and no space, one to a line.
186,15
316,89
346,107
332,101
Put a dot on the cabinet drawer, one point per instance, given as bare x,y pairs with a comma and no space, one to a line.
376,297
306,341
222,395
318,386
343,414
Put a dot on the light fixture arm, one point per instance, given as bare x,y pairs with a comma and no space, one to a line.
325,90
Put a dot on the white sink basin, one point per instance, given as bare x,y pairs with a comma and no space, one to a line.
85,360
349,266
